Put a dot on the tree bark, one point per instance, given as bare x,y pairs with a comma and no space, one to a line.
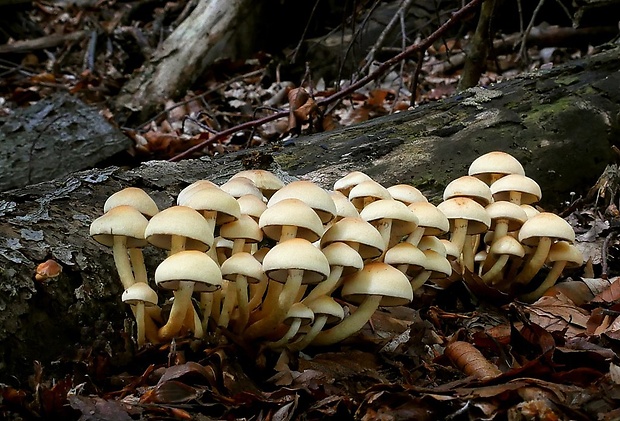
213,30
559,123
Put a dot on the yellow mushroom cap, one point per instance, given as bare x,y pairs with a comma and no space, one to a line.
298,254
189,265
182,221
121,220
378,278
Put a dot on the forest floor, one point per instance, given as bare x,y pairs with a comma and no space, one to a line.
557,357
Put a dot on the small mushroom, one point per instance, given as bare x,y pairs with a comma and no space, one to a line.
326,311
121,228
378,284
140,295
516,188
343,260
561,255
185,272
46,270
298,315
541,231
292,263
312,195
492,166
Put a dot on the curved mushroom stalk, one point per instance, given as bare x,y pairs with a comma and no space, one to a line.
182,302
293,262
298,315
376,284
270,322
351,324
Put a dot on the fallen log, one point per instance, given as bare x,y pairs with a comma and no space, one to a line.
560,123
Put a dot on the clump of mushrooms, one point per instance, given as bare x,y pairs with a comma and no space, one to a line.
270,259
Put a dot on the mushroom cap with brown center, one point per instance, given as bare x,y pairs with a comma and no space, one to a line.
189,265
132,196
241,186
469,186
251,205
366,191
405,254
214,199
340,254
140,293
565,252
378,278
245,228
352,179
291,212
468,209
296,254
120,220
507,245
358,232
545,224
509,212
404,221
406,194
267,182
309,193
492,165
325,305
430,218
182,221
529,189
344,207
242,264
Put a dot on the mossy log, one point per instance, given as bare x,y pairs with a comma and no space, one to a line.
560,123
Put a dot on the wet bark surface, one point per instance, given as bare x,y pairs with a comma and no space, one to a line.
560,124
54,137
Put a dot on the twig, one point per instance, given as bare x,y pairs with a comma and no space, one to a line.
303,35
604,254
400,13
408,52
41,43
523,48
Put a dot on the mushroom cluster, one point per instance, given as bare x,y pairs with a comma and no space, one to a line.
266,260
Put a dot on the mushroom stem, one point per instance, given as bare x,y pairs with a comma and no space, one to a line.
536,262
315,329
418,280
552,277
491,275
351,324
288,232
415,237
206,303
274,289
290,333
182,301
242,301
459,233
384,226
277,314
137,263
121,259
329,285
468,253
140,324
216,305
257,292
177,243
230,299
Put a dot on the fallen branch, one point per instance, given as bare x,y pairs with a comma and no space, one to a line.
48,41
383,68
